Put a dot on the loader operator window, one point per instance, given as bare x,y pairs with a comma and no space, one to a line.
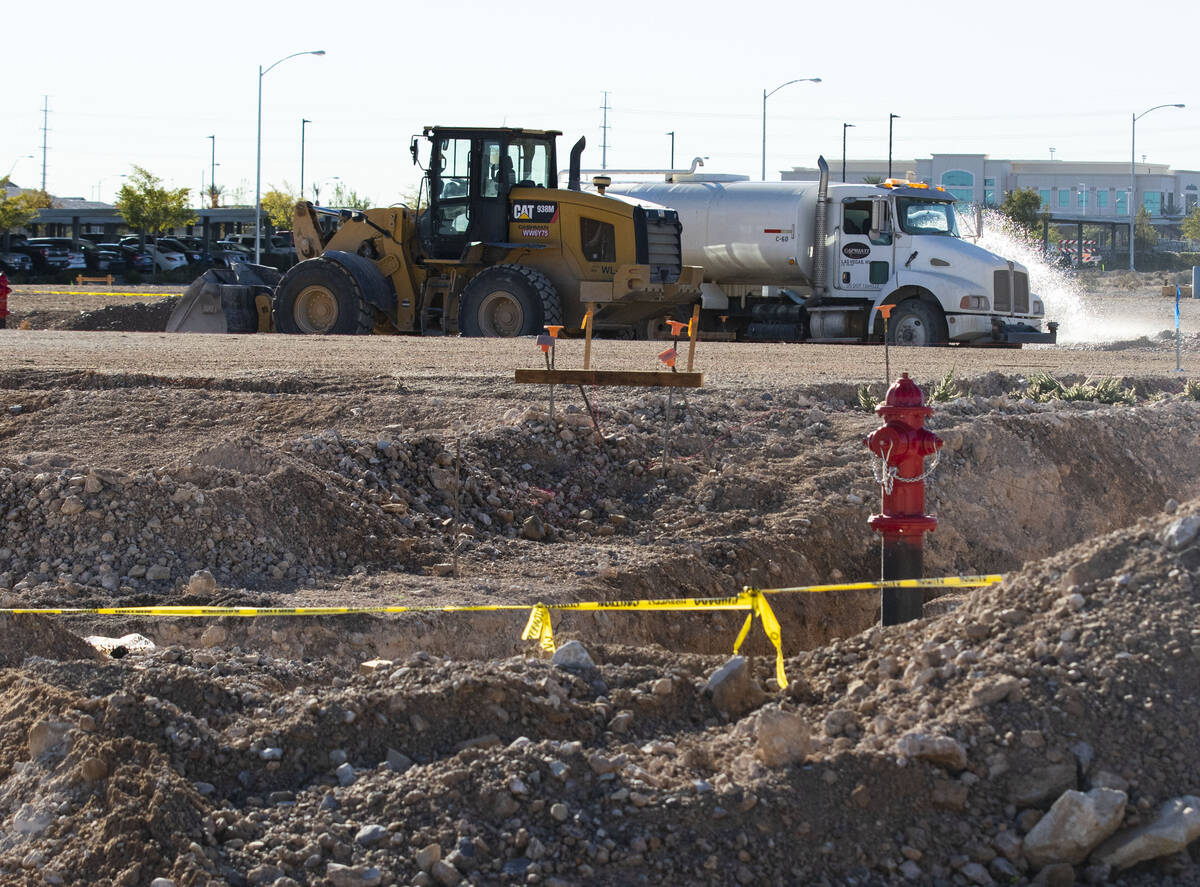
531,164
496,171
453,182
455,173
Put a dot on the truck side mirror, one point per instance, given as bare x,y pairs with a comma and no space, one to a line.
413,148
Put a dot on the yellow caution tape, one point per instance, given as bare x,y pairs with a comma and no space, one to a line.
88,293
539,626
762,610
944,582
539,629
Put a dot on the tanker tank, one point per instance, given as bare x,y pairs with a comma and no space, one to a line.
756,233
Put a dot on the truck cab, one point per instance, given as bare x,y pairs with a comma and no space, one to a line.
899,242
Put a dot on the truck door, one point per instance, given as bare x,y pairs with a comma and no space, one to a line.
864,256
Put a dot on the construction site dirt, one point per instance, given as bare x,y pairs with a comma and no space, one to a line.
1041,730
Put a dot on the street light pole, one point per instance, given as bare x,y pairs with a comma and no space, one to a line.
767,95
1132,171
258,153
845,126
891,117
303,123
212,176
672,135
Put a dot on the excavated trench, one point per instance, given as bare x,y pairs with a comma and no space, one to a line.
785,506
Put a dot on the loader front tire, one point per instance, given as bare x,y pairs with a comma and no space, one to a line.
508,300
321,297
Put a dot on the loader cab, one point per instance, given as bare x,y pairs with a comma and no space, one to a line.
470,173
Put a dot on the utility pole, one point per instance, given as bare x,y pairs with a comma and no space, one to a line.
303,123
45,130
672,135
891,117
604,129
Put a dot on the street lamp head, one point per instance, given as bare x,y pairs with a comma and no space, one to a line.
318,52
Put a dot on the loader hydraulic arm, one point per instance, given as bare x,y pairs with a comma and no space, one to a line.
306,231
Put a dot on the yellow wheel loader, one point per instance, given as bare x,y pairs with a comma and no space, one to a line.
500,250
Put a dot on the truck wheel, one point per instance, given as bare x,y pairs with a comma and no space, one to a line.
917,323
321,297
508,300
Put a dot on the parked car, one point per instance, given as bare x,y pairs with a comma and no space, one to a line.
134,258
60,252
111,258
228,254
13,262
35,255
176,244
165,258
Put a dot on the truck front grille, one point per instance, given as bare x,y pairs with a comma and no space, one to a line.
1001,292
1020,292
658,234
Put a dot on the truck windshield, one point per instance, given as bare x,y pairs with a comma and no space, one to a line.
926,217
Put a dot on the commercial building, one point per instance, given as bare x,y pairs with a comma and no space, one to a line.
1076,192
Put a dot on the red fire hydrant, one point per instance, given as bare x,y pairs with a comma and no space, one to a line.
5,289
898,451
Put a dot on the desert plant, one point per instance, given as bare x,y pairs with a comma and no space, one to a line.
1192,389
866,399
1043,387
945,389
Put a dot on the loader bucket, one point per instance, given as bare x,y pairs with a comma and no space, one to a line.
223,301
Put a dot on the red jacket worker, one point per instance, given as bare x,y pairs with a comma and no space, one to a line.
5,289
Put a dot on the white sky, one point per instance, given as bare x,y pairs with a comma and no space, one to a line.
147,83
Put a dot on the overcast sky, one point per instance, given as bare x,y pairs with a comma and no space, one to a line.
147,83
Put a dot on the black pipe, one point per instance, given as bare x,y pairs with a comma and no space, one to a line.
576,155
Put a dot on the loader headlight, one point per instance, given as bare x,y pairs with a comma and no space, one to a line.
974,303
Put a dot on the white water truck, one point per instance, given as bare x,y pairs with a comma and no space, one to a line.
809,261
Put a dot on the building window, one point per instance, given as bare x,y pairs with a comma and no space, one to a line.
1189,199
989,192
1101,199
961,184
1122,203
1044,193
1064,198
1152,201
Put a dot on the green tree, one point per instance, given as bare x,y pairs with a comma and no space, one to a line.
1024,207
279,204
150,208
1145,234
18,210
1191,225
348,198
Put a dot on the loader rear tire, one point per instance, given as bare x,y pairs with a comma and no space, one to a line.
321,297
508,300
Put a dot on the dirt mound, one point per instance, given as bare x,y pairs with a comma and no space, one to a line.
939,751
135,317
22,636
